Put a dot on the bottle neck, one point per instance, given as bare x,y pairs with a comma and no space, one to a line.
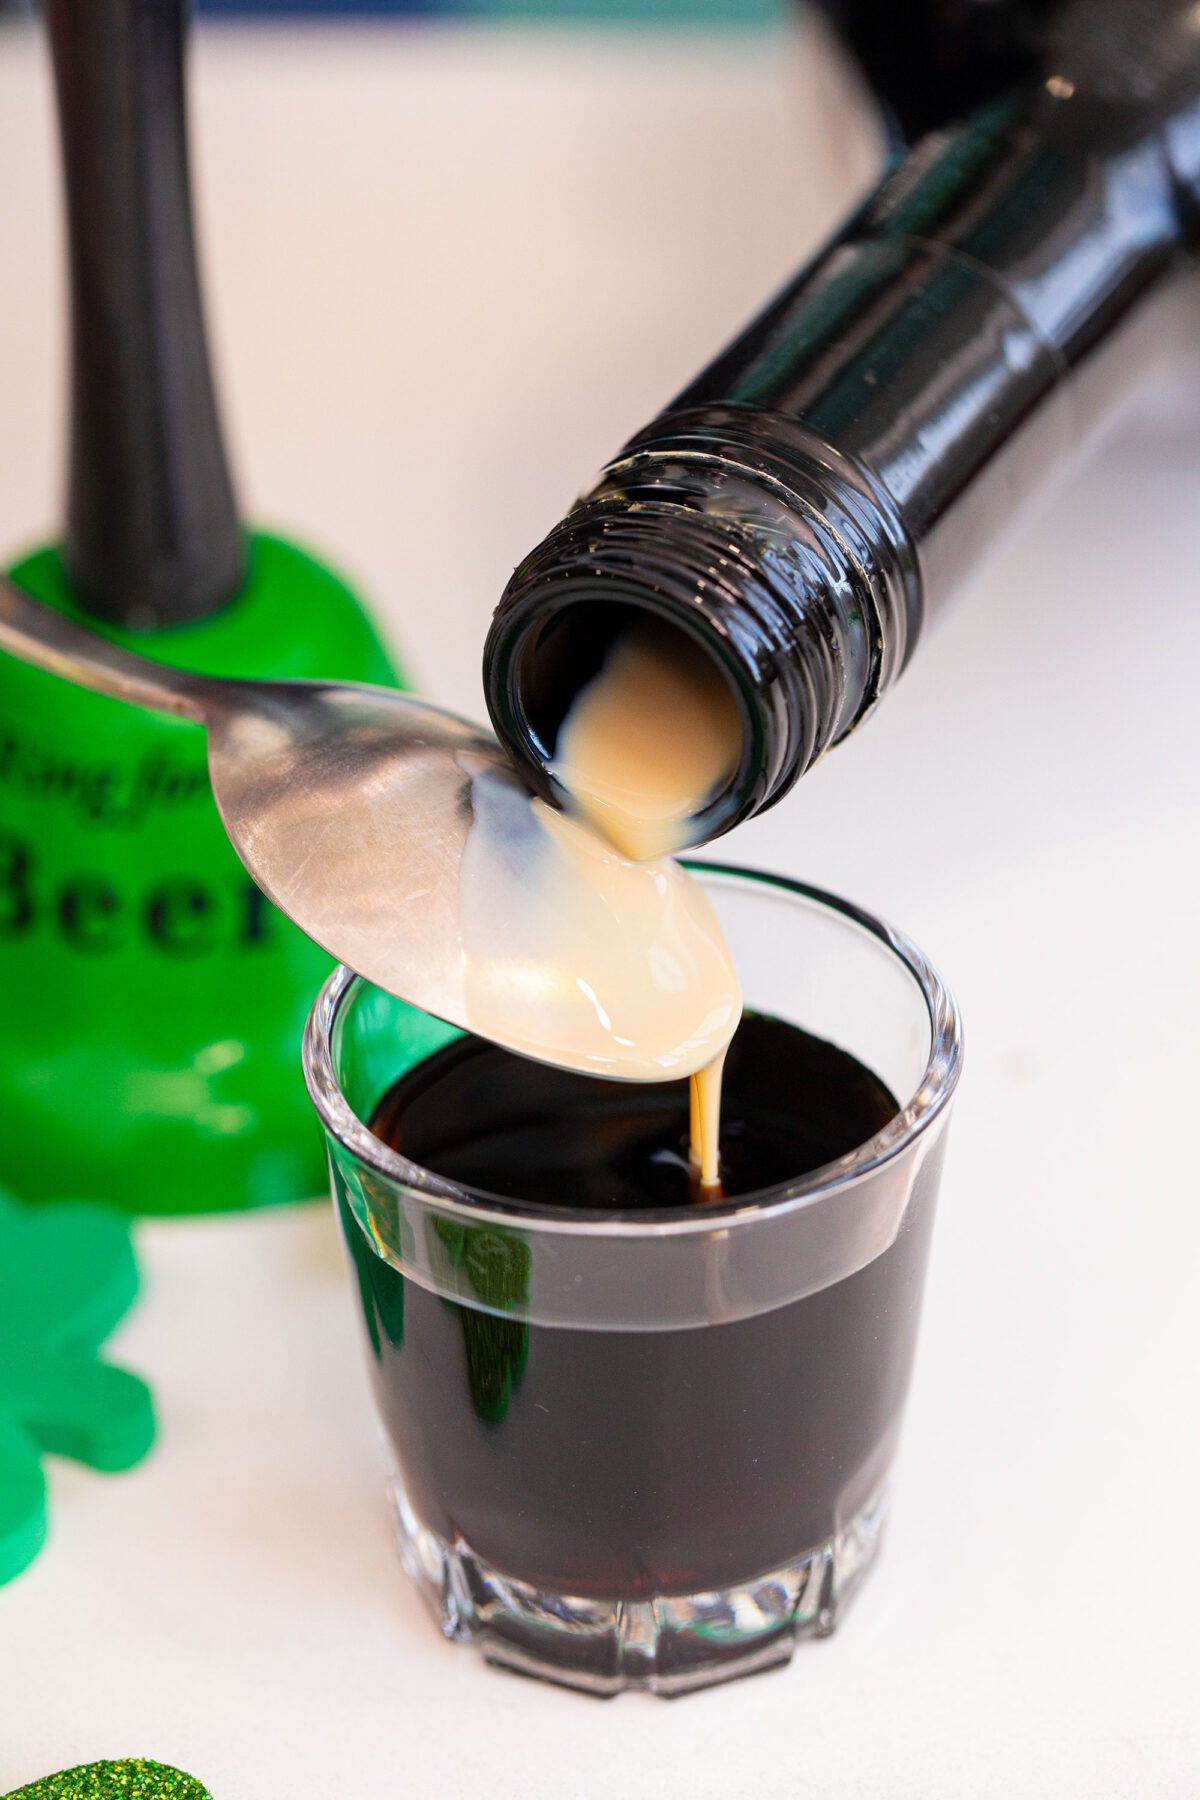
739,528
152,534
831,478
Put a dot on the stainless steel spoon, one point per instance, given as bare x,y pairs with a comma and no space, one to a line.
349,805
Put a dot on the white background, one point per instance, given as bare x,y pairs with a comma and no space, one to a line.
449,272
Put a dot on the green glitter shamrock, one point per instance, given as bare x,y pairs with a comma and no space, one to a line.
67,1275
129,1779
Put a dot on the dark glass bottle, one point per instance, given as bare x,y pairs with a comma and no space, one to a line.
811,500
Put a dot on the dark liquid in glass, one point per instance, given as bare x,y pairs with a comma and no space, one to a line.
625,1464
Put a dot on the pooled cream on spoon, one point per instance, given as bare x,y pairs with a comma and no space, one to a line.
575,954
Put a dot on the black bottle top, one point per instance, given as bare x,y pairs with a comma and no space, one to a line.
930,62
834,474
152,534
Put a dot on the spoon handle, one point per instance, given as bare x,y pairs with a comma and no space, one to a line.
49,640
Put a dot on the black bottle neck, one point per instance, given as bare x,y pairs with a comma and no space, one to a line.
152,531
834,475
744,531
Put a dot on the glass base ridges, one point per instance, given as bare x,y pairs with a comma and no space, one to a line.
669,1645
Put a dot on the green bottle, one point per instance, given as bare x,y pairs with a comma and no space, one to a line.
153,999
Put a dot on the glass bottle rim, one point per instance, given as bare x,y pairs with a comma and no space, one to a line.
925,1106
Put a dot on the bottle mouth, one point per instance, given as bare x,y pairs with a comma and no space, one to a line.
543,658
785,561
702,576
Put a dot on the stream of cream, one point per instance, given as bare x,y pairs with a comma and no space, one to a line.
648,739
584,943
642,749
575,954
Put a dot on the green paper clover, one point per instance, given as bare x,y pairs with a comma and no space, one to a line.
67,1276
130,1779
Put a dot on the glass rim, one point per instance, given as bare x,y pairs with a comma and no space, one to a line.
932,1095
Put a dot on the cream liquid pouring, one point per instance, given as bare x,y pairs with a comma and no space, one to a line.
583,942
641,750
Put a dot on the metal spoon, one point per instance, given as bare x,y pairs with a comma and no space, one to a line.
349,805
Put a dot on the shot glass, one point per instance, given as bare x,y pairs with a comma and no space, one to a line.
651,1450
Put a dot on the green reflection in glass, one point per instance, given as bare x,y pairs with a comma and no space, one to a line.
496,1265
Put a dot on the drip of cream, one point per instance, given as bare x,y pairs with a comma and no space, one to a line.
583,944
705,1153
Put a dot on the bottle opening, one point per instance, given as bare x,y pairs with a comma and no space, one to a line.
636,722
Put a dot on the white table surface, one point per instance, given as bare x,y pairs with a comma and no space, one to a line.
449,271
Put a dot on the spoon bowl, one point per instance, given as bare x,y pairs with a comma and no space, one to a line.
351,807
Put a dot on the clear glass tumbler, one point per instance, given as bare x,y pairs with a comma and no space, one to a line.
651,1450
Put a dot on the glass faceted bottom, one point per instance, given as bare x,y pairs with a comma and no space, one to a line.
669,1645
